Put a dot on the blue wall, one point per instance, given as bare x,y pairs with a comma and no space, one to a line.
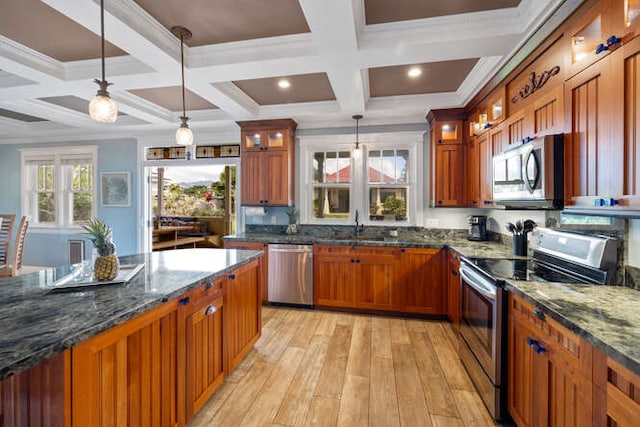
50,249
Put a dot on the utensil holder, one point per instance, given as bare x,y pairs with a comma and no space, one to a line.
520,244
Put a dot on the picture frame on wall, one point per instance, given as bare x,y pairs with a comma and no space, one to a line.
115,189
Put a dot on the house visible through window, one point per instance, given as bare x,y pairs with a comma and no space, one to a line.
388,184
59,185
331,184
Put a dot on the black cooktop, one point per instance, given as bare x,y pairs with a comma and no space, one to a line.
528,269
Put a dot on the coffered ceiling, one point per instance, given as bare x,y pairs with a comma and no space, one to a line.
339,58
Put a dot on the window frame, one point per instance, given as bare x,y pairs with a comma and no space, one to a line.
63,184
358,187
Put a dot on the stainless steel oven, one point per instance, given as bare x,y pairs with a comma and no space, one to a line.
483,335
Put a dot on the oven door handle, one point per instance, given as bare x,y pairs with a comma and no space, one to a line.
481,284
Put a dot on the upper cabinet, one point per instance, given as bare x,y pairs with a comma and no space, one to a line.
267,162
447,161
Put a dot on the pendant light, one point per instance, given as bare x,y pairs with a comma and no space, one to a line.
184,136
356,150
102,108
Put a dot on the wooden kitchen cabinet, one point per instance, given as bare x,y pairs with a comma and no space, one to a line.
131,374
549,370
421,276
267,162
356,277
204,349
243,319
39,396
473,174
447,160
485,170
447,181
453,289
593,154
622,395
255,246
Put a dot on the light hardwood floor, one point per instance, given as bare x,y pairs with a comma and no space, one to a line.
319,368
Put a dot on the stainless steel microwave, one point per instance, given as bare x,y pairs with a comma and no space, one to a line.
530,175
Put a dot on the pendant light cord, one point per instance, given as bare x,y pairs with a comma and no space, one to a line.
102,35
184,111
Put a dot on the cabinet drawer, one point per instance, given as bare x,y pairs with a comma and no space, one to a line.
352,250
209,289
554,336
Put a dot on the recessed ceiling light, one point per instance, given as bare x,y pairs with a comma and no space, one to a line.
284,84
414,72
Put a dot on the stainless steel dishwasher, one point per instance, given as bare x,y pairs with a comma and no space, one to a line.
291,274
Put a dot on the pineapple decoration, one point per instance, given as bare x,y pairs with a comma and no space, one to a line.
106,265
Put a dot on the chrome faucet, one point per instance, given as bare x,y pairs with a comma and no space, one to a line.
359,227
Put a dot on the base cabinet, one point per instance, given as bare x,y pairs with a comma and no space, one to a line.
243,321
379,278
204,350
420,275
255,246
130,374
550,371
453,289
39,396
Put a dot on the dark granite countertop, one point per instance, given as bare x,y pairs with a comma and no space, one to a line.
606,316
442,239
37,323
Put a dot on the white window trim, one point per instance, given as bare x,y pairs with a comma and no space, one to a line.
59,153
413,141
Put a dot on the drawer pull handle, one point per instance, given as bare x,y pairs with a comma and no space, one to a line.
210,310
184,301
535,345
209,285
539,314
454,273
232,277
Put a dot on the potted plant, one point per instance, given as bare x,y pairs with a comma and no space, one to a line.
293,218
106,265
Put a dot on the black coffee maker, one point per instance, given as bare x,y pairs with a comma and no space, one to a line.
477,227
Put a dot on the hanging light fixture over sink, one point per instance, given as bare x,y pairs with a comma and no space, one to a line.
356,150
102,108
184,136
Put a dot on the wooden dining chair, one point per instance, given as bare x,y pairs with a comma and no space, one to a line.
12,267
6,229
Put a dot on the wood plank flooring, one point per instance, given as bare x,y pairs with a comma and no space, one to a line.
318,368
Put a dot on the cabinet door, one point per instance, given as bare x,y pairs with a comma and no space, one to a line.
253,175
275,178
473,169
448,181
258,140
548,117
588,105
485,170
264,261
204,352
376,285
129,375
447,131
420,275
39,396
243,322
334,280
453,290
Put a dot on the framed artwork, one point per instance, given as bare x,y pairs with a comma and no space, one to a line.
115,189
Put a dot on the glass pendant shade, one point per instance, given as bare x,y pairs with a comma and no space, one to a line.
103,109
184,136
357,152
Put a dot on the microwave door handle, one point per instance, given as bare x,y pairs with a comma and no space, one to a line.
477,282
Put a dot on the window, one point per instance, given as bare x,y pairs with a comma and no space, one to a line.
58,185
382,185
388,185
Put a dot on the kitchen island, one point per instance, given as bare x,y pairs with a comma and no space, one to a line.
154,348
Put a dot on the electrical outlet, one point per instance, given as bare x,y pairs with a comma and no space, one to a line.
432,222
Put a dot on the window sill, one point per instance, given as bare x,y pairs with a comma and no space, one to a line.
45,229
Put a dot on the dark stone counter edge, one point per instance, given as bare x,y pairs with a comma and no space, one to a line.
620,357
40,355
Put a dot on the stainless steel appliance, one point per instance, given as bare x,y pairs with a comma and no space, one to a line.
291,274
530,175
558,257
477,227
